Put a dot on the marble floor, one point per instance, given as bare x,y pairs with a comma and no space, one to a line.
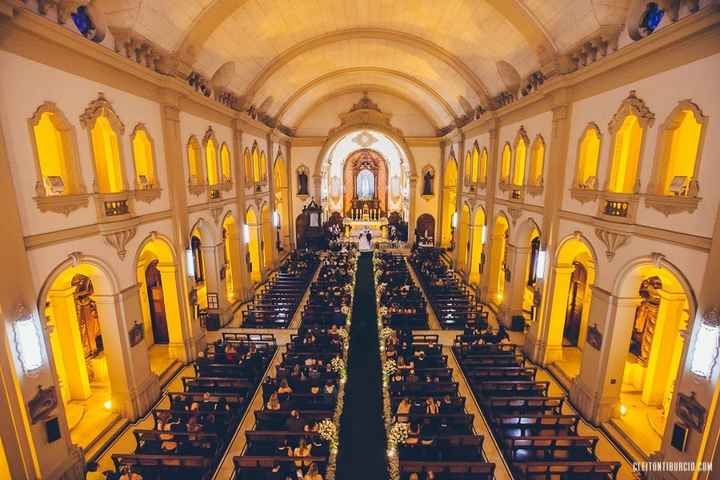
87,419
641,423
160,359
570,363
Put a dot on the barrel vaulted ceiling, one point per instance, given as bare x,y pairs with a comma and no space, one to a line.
286,55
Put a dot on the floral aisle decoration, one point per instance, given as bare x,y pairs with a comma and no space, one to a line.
341,364
393,460
389,368
399,433
329,432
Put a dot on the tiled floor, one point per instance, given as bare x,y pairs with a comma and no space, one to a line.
160,359
88,418
643,424
570,363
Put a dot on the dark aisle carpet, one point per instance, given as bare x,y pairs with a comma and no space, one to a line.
362,429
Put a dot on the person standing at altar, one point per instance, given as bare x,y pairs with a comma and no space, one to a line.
365,240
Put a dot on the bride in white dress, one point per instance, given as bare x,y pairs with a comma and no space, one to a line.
365,240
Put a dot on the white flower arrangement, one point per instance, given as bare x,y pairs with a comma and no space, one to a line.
387,332
390,368
337,365
399,433
328,431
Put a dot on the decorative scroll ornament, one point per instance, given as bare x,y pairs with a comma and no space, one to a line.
515,214
612,241
364,139
98,107
365,104
119,239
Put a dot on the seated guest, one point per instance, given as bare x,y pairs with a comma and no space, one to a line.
301,453
274,402
126,473
313,473
193,425
329,388
431,406
403,410
294,423
284,389
446,405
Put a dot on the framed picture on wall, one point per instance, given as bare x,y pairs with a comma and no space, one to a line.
690,411
212,299
594,337
136,334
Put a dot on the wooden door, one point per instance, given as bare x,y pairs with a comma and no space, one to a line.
576,298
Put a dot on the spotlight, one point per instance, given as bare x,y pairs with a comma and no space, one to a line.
623,410
108,404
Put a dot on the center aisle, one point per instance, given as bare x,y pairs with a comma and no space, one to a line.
362,428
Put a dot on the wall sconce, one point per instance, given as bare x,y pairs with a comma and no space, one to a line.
246,233
454,219
707,343
28,341
190,262
540,264
276,219
484,234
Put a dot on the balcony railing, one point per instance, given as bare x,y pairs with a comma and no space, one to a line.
213,194
114,208
614,208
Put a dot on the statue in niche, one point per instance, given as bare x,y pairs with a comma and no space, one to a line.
302,183
365,185
428,183
87,316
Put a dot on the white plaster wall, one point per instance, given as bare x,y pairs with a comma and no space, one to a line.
24,86
407,117
695,81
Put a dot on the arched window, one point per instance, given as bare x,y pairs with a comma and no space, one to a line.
144,158
475,164
256,164
468,168
263,167
105,130
537,162
211,158
55,154
225,164
482,170
627,128
588,155
193,157
505,162
521,143
678,160
247,160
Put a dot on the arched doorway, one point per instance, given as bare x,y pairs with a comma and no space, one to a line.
476,251
498,247
153,280
252,240
79,309
530,278
157,276
196,245
463,242
649,328
448,202
232,258
425,229
569,309
281,199
267,236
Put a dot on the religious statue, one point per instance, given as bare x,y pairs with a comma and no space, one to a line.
365,185
428,183
302,183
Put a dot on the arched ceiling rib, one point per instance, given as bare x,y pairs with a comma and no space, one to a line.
425,98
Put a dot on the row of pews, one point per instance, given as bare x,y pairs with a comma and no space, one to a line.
330,298
423,394
303,393
192,429
538,440
404,301
277,300
452,301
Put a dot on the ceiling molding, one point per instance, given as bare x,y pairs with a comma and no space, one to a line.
360,88
529,27
382,70
368,33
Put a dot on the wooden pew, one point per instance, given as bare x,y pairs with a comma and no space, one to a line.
551,470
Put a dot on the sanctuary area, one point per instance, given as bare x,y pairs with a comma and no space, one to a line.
360,239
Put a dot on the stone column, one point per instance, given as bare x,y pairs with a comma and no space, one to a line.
596,390
492,166
548,335
246,289
518,258
412,214
178,347
177,191
670,312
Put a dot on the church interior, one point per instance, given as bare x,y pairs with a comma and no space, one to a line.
359,239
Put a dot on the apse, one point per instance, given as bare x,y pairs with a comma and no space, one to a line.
365,168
